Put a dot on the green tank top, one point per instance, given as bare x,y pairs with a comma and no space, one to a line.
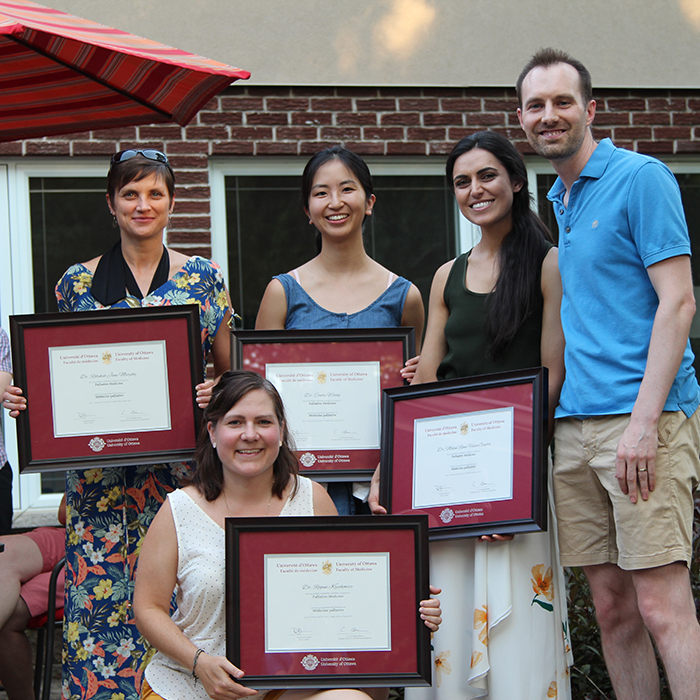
465,336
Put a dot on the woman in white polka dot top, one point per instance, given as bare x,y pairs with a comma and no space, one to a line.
245,467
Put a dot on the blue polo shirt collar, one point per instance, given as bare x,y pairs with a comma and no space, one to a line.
594,168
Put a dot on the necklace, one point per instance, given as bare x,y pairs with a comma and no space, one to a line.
228,507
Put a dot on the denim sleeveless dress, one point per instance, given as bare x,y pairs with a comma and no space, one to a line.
304,313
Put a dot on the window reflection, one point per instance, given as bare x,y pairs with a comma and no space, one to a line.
70,223
411,232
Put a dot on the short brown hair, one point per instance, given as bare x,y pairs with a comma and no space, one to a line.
135,169
549,57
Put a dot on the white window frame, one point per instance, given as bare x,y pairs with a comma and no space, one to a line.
680,165
220,168
17,281
540,166
536,167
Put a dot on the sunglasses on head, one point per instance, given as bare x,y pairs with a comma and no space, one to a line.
130,153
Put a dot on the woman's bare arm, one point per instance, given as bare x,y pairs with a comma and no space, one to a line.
155,582
435,345
323,503
272,313
552,343
62,511
220,355
414,314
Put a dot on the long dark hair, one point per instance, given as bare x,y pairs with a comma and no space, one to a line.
520,256
350,160
208,474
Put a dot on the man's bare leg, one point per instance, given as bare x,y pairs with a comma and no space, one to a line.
666,605
627,648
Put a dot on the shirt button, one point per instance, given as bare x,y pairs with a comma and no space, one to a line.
568,229
561,211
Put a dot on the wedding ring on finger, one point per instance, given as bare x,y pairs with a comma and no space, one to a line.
641,469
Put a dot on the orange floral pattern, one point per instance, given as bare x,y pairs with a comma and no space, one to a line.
481,623
542,582
442,666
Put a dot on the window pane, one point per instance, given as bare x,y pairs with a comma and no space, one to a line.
690,192
411,232
268,234
412,229
53,482
70,223
544,184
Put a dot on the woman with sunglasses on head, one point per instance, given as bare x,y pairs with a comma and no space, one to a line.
494,309
110,509
342,287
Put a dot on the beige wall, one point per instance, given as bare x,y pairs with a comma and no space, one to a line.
624,43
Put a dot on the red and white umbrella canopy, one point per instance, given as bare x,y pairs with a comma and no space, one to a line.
60,73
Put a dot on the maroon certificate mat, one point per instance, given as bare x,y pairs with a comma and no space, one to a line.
107,388
468,453
331,384
327,602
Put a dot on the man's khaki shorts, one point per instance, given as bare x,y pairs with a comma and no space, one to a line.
597,522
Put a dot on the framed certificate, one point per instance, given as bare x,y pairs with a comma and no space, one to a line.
327,602
107,388
331,384
468,453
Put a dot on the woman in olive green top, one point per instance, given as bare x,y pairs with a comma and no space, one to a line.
496,307
493,309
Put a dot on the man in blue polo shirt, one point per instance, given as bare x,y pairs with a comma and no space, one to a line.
628,433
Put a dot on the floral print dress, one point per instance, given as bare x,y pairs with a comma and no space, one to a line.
110,509
505,633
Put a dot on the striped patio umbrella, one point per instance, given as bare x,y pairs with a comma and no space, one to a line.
60,74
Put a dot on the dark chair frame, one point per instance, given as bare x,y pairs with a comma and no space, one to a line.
43,665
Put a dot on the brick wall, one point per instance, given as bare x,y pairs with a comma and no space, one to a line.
255,121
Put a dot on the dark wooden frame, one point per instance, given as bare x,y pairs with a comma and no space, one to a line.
339,535
24,331
242,340
536,520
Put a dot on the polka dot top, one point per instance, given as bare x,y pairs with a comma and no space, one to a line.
201,602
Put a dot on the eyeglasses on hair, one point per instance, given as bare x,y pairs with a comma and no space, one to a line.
130,153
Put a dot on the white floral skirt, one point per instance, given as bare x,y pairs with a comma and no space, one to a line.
505,633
